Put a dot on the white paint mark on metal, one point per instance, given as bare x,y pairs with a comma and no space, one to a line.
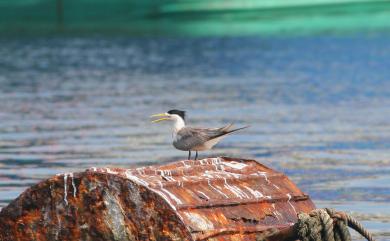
255,193
73,185
264,174
203,162
216,189
216,161
65,188
235,175
289,198
167,174
203,194
185,164
200,222
172,196
136,179
235,165
165,198
232,189
141,171
276,213
108,170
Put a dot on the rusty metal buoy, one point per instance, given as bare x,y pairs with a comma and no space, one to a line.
211,199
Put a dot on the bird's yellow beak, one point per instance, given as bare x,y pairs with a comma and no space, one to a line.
164,115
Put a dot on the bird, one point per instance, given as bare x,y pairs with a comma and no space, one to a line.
187,138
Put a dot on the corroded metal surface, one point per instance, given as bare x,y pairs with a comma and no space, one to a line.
210,199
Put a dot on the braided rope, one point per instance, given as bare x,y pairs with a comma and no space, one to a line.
353,223
327,225
340,225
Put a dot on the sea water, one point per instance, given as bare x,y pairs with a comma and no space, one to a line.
318,107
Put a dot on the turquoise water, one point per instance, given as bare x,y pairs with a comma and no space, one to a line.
318,107
193,17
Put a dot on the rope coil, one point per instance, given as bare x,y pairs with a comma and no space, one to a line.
327,225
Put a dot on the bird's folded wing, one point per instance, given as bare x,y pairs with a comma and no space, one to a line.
191,137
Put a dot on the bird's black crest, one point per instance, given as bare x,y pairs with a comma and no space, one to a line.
180,113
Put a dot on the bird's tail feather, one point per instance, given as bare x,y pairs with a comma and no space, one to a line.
227,131
230,131
227,127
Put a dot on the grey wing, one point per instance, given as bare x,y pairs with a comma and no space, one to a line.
189,137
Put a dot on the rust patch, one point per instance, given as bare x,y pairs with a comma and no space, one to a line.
210,199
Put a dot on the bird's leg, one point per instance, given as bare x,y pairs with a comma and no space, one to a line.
189,155
196,155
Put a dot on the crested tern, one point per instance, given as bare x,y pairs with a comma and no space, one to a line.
186,138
